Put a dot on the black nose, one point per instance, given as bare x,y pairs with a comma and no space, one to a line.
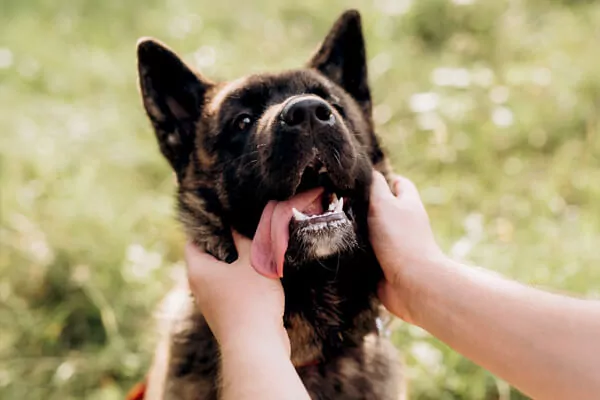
307,110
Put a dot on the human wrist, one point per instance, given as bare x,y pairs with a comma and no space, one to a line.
252,351
270,338
417,281
257,364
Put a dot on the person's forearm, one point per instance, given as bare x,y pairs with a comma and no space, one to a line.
259,368
546,345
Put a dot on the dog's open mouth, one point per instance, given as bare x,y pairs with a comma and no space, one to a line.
328,210
318,217
317,213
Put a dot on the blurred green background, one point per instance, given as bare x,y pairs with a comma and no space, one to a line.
491,107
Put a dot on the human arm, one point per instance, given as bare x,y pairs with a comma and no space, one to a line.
544,344
244,311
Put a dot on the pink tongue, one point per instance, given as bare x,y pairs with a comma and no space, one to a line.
272,235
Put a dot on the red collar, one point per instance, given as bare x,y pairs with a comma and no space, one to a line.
137,392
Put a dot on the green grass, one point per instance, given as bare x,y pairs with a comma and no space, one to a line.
504,148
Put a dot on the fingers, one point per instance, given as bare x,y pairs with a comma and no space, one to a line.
401,187
405,188
379,187
195,256
197,259
242,244
397,185
199,264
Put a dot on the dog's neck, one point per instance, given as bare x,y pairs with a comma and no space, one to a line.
330,305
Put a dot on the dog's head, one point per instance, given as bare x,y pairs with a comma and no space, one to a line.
283,158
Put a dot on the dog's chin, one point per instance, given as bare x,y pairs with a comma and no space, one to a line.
318,243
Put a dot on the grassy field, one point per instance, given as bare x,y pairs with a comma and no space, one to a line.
491,107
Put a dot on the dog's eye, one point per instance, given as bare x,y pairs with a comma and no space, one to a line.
243,122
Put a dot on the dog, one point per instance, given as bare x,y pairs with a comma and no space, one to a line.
285,159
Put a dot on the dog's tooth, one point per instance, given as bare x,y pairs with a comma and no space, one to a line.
322,170
334,201
298,216
339,207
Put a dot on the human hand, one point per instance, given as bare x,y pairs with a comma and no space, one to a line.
403,241
241,306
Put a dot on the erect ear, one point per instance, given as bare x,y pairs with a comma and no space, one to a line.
342,58
173,96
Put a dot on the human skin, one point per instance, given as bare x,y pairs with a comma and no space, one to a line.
244,311
546,345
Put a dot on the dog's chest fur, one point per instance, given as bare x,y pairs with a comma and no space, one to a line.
336,357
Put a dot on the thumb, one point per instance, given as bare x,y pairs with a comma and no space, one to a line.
199,264
195,257
242,245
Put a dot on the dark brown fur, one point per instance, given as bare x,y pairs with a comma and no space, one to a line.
227,175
